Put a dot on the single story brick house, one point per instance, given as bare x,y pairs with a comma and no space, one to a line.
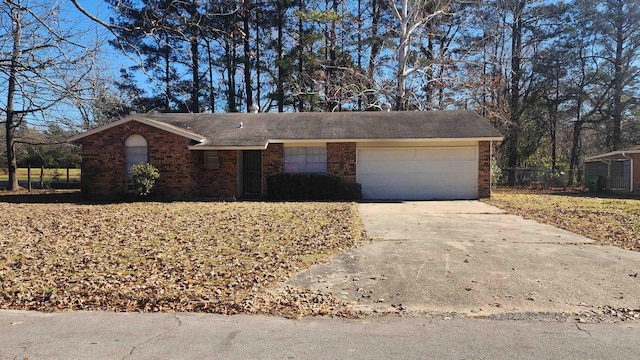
617,170
393,155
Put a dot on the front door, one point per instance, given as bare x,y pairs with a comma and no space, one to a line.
252,172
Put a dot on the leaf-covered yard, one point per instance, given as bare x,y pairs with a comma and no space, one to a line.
185,256
613,221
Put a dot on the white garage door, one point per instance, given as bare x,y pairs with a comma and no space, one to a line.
418,173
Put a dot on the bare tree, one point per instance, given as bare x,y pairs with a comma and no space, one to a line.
411,16
41,64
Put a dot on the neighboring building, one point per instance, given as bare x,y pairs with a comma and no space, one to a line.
393,155
616,170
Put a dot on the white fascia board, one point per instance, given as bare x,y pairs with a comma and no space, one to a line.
214,147
203,148
323,142
143,120
426,140
614,155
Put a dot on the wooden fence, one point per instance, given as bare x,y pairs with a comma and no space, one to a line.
52,178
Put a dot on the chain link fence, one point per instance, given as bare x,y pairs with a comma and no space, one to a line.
540,177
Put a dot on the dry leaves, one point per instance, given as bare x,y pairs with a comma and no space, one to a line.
183,256
610,221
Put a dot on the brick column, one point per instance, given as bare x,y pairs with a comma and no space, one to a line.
341,160
484,169
272,163
636,172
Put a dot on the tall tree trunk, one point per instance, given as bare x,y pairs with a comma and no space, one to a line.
618,81
514,101
301,9
279,57
429,72
403,54
359,47
167,74
258,67
327,69
231,74
247,57
574,161
375,41
483,101
194,30
212,93
195,76
553,116
11,114
333,41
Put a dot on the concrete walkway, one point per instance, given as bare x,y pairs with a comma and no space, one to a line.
471,258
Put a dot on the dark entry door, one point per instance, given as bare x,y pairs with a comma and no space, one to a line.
252,172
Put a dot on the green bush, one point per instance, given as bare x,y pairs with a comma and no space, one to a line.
298,186
144,178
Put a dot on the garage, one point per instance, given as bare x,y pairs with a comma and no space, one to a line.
418,173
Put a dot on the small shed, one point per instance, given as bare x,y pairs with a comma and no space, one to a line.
614,171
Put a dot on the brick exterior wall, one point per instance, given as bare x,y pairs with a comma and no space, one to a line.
341,160
182,172
103,161
636,172
484,169
220,182
272,163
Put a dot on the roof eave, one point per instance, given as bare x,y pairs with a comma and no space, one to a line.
201,147
488,138
229,147
141,119
613,155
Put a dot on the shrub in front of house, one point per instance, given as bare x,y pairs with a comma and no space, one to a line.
298,186
144,178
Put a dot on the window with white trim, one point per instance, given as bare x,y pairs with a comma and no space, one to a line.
135,153
305,159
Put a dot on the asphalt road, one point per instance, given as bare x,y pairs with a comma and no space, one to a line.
100,335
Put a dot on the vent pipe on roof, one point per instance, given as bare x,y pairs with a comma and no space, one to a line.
386,107
254,109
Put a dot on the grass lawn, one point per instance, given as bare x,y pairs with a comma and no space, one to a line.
185,256
609,220
59,175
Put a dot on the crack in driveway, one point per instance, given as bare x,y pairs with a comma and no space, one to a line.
583,330
135,347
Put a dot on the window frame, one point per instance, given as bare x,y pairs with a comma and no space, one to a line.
133,150
211,160
308,159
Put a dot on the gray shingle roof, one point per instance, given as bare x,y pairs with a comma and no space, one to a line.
257,129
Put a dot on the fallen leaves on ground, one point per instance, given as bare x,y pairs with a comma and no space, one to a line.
611,221
184,256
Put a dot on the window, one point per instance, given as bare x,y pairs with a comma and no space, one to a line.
135,153
305,159
211,160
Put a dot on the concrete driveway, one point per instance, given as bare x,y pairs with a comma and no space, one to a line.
471,258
